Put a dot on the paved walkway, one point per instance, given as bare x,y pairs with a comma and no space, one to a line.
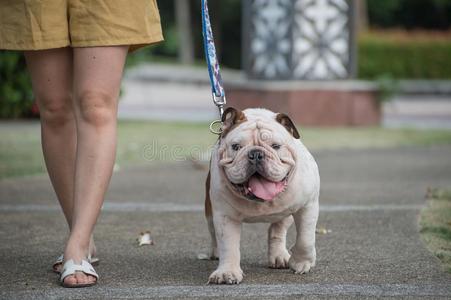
370,199
418,111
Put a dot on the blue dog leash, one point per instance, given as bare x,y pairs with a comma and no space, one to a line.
214,72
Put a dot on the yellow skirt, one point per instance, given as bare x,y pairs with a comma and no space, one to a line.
46,24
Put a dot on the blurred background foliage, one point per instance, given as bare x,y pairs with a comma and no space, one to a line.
410,14
400,39
404,55
15,87
403,38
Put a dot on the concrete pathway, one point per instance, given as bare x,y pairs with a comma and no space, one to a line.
370,199
418,111
167,92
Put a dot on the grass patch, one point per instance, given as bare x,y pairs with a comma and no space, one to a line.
435,225
142,143
20,149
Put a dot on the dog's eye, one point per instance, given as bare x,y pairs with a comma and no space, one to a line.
236,147
275,146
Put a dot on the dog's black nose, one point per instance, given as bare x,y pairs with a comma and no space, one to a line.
255,155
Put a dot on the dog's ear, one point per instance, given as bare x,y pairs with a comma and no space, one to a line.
286,122
230,118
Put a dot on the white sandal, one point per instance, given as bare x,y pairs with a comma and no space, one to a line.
70,268
60,259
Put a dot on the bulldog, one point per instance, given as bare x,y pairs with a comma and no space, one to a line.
261,172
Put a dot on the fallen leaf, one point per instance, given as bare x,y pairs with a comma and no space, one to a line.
145,239
203,256
322,230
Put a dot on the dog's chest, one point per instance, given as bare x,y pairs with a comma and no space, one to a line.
271,217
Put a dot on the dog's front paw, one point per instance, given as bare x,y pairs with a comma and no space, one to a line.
226,276
279,259
301,266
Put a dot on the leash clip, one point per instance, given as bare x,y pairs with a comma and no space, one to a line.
219,102
216,125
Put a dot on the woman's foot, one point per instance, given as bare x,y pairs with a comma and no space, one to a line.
58,264
78,253
70,268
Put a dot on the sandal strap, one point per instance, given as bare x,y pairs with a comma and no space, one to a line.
58,261
70,268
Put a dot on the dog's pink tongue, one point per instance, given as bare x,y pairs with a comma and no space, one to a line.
263,188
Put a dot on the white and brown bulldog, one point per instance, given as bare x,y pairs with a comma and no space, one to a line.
261,172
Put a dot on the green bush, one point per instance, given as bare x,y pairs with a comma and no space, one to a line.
16,98
400,55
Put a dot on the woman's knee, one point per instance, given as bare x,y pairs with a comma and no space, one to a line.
55,110
96,108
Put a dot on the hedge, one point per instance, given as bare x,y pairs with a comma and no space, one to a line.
403,55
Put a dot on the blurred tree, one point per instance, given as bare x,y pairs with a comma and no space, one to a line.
431,14
230,19
410,14
361,15
185,35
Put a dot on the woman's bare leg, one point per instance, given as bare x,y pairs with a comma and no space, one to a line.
97,77
51,73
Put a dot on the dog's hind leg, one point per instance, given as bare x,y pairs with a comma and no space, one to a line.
209,217
278,255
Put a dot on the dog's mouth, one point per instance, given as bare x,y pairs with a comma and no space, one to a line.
261,189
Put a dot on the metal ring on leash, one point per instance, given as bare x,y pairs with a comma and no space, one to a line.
212,127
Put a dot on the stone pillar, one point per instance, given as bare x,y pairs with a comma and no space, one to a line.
298,39
296,54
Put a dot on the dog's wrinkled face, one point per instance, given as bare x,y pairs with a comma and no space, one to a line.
257,152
